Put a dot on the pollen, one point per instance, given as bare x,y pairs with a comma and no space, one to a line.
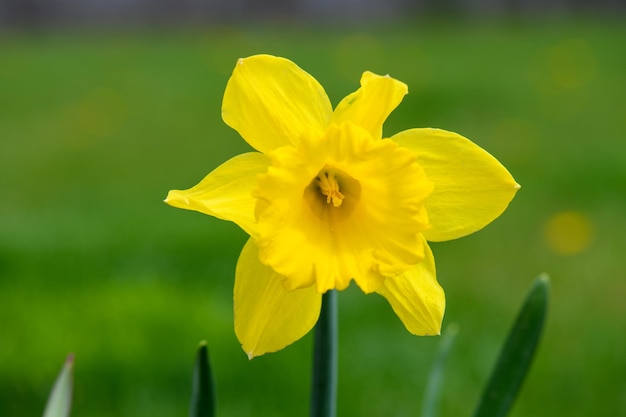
332,194
329,186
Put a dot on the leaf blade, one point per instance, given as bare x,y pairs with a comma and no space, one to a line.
517,353
60,399
203,385
430,406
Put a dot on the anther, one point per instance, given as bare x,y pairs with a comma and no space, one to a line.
330,188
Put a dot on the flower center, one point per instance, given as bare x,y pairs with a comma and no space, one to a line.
328,186
332,192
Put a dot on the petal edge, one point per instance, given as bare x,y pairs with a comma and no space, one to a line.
267,316
271,102
417,298
472,188
371,104
226,192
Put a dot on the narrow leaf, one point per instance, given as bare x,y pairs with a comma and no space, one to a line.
203,386
517,354
435,379
60,399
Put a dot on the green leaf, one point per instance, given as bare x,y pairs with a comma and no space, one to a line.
203,386
60,399
517,354
435,378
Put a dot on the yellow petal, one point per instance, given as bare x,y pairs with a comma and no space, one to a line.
226,192
417,298
267,316
271,102
370,105
471,187
369,232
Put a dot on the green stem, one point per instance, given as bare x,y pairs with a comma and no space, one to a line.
324,385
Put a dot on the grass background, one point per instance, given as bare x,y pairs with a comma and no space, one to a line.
95,128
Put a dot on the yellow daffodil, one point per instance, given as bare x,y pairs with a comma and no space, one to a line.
326,200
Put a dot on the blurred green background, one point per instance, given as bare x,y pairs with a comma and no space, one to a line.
96,127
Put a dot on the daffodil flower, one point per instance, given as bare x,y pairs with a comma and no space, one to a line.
327,200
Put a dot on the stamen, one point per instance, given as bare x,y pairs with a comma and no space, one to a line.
330,188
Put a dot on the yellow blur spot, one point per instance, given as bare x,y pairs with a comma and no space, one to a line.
571,64
568,232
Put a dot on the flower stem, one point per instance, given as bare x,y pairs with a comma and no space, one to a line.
324,384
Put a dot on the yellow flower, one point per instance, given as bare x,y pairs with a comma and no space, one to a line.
327,200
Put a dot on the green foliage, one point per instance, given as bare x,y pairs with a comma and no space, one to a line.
60,400
517,354
432,396
203,398
96,128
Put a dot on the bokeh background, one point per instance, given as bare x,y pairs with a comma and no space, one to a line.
105,106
